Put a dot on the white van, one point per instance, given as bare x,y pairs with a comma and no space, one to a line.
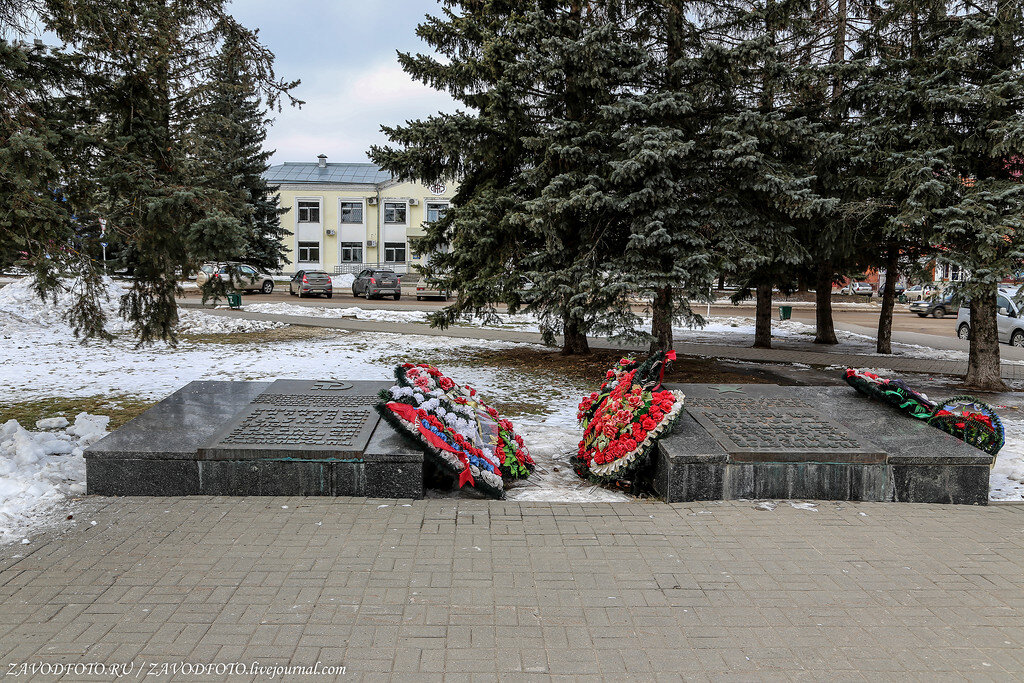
1009,319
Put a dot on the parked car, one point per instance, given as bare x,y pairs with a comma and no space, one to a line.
423,291
1009,319
936,308
245,278
863,288
310,282
918,292
373,282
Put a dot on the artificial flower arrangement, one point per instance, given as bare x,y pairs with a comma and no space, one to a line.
465,436
622,420
965,417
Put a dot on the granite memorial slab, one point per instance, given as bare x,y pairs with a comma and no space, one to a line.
828,443
289,437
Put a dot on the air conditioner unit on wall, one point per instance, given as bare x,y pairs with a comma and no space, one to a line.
413,202
331,232
372,201
371,243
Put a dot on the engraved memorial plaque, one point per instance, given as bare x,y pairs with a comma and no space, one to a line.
300,419
779,429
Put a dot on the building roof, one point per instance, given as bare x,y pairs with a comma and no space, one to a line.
310,172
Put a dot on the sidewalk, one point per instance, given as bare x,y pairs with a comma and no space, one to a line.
424,589
823,358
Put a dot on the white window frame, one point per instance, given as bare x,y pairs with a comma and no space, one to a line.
352,200
405,250
362,252
320,210
299,248
384,211
427,203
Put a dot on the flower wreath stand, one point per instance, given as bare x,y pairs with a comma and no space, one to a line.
623,419
972,421
455,428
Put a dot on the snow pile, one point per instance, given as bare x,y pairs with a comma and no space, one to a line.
20,305
40,469
197,322
343,280
1007,479
378,314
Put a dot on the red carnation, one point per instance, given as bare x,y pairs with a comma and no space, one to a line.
648,424
446,383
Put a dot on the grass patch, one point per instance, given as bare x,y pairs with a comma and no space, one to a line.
119,409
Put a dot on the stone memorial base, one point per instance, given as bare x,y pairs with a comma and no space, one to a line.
827,443
286,438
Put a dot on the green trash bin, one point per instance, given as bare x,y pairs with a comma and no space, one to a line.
785,312
235,300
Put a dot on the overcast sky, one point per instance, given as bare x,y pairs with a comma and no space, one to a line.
344,53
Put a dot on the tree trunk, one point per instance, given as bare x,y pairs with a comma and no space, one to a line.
824,326
661,322
763,318
721,282
574,340
983,367
883,342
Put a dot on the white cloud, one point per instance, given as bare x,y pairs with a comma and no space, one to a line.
344,111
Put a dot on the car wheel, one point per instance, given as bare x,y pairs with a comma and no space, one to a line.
397,297
964,332
1017,338
419,298
300,294
367,293
330,295
268,287
939,312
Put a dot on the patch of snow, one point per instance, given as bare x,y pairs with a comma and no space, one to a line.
21,306
767,505
378,314
1006,482
40,469
344,280
813,507
191,321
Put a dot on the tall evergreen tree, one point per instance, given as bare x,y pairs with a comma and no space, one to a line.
147,61
230,130
946,107
532,156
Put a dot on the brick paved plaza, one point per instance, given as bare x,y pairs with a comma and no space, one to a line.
470,589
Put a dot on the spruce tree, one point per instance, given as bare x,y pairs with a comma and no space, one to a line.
230,129
533,223
944,103
146,63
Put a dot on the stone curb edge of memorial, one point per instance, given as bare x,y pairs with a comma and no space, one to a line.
453,425
624,418
972,421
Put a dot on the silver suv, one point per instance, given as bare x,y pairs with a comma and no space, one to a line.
245,278
1009,319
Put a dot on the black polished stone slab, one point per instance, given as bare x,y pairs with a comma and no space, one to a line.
158,452
906,460
300,420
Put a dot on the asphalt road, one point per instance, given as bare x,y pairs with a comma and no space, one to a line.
903,319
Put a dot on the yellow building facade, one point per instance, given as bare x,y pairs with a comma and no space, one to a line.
342,217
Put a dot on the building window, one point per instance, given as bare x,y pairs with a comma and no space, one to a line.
395,212
436,211
394,252
309,252
309,212
351,212
351,252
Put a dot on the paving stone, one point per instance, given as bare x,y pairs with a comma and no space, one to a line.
908,591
